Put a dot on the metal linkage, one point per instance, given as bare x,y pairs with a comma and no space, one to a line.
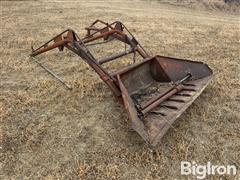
52,73
156,100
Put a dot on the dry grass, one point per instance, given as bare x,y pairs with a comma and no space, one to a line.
49,131
229,6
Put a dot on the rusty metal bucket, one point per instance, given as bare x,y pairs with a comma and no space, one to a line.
157,91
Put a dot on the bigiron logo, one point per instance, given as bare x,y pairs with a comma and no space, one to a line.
201,171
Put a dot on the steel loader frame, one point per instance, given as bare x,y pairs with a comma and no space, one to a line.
177,82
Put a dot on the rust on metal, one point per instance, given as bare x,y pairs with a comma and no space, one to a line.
154,90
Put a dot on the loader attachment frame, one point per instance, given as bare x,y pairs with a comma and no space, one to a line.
70,40
177,82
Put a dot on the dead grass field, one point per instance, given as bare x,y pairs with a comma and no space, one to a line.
227,6
50,132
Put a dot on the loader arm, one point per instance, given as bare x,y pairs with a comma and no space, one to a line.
71,41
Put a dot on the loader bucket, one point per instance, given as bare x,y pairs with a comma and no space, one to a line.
157,91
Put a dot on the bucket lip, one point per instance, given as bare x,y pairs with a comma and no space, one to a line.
186,60
131,67
180,59
136,65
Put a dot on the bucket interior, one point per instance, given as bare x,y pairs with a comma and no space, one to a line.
146,80
159,73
